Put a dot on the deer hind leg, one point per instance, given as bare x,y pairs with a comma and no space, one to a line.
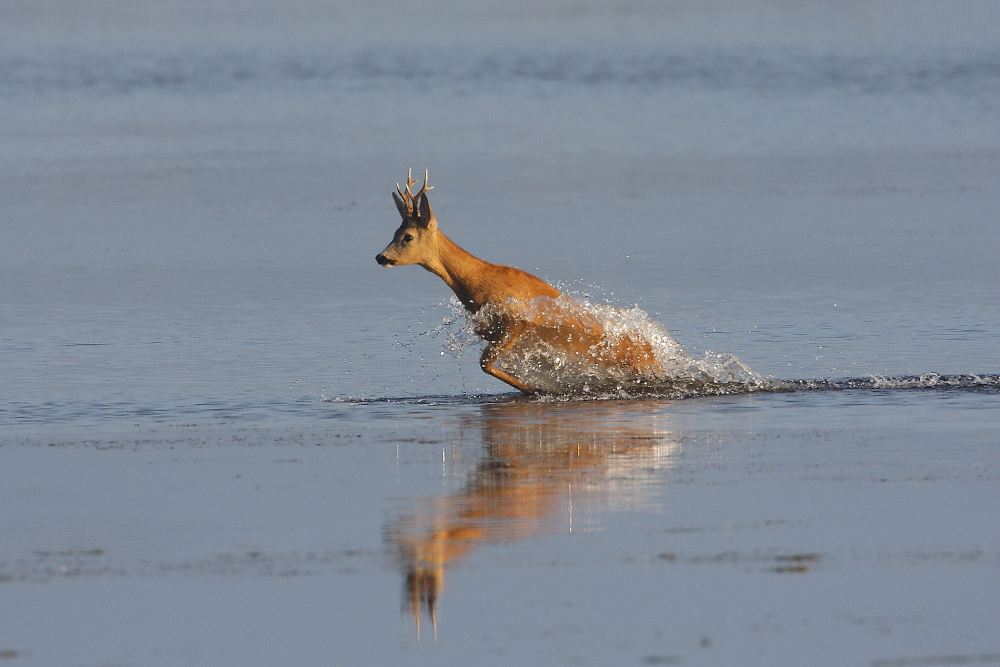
492,353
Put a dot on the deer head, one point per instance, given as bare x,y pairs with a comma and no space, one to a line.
414,241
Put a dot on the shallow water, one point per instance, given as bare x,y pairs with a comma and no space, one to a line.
228,437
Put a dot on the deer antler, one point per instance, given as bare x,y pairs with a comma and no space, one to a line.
410,200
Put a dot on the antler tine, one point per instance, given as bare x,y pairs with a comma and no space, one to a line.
425,187
409,181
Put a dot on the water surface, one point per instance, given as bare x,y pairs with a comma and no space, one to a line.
229,437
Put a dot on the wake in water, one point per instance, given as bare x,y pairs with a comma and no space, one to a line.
968,382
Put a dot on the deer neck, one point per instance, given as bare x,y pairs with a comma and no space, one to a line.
465,274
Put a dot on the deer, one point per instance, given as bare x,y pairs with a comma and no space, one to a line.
521,307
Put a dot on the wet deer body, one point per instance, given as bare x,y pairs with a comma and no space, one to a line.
521,305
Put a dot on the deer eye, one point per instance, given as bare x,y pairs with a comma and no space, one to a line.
407,238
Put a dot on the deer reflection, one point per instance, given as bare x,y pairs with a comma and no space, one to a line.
540,460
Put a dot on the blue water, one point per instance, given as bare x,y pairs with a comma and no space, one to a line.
228,437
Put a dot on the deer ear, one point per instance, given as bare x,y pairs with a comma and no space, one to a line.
426,214
400,206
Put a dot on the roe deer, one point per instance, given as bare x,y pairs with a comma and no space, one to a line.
523,308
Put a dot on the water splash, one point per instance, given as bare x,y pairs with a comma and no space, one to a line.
542,359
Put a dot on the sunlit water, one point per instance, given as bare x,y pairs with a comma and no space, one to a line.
228,437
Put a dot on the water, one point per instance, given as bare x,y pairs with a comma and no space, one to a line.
228,437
